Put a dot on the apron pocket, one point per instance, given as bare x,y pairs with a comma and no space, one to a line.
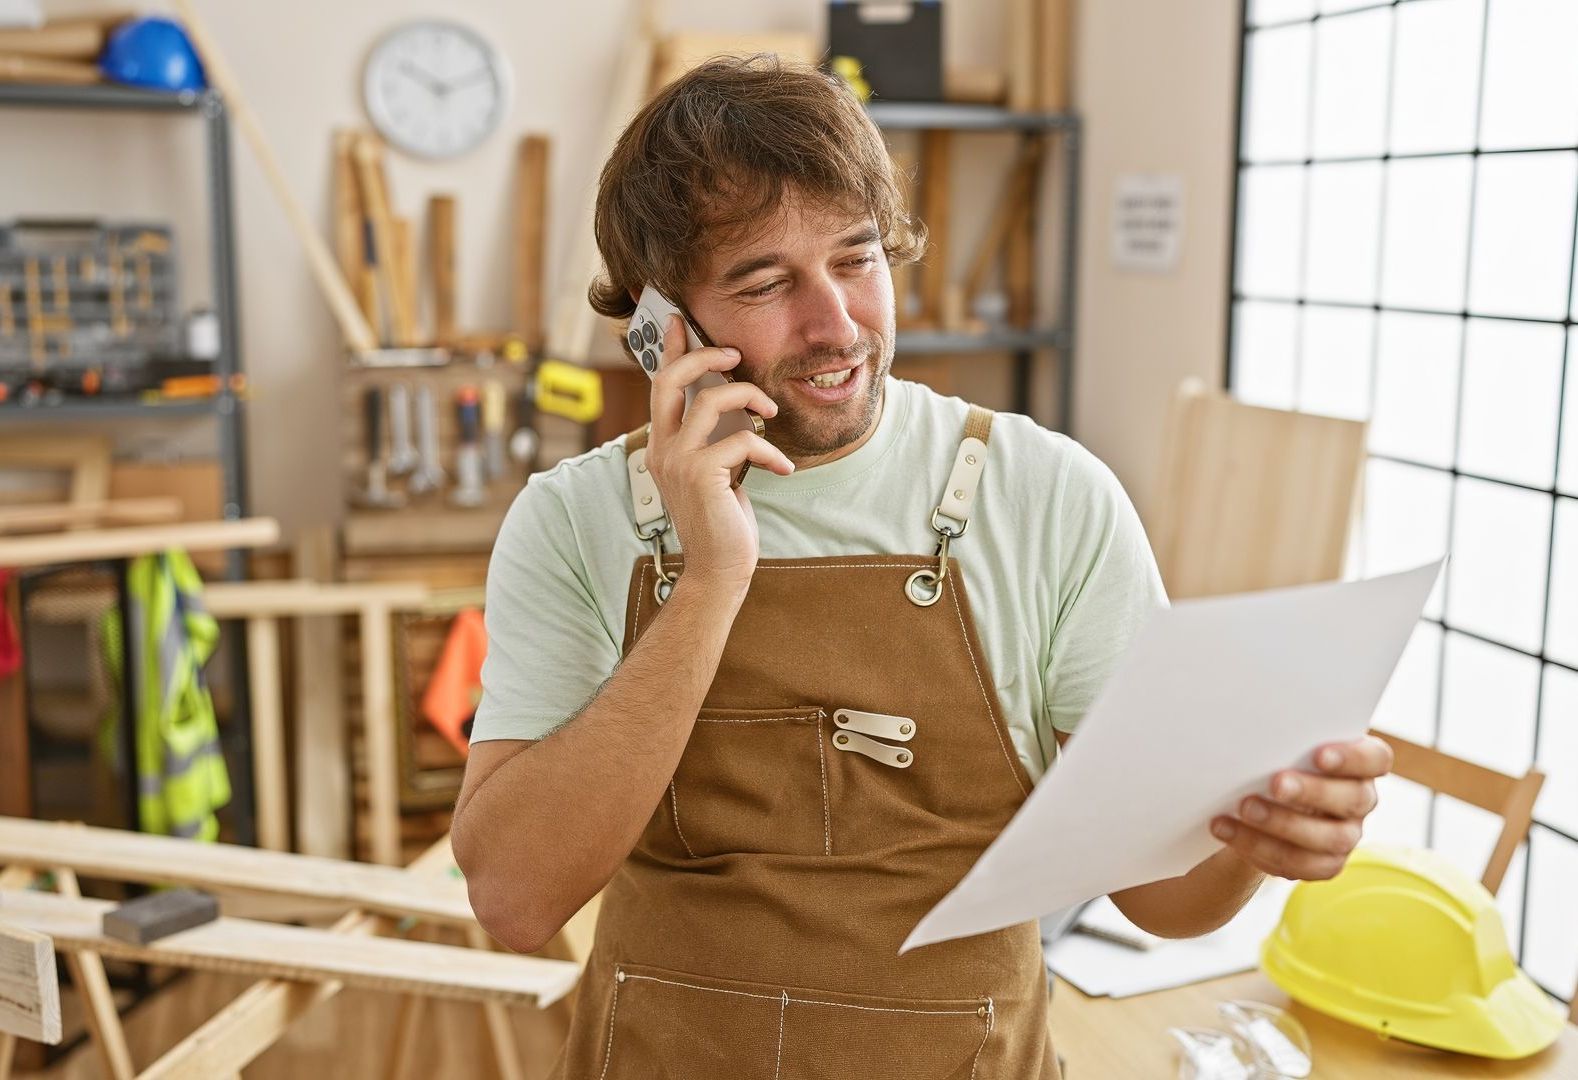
678,1026
750,781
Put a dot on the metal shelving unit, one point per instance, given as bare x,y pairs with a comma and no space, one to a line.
226,408
1065,130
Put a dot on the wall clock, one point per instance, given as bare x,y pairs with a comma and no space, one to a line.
436,88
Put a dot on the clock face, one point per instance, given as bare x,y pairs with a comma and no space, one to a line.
435,88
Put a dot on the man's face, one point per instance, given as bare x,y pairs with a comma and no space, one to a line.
808,293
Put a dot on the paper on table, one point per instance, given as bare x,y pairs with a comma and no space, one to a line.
1211,698
1099,967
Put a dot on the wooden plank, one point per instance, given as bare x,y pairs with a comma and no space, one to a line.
131,541
378,721
1019,186
350,228
61,39
531,237
37,69
1019,271
323,780
270,792
441,265
250,1024
936,181
140,857
368,155
297,952
29,987
16,774
16,519
1022,32
1054,31
405,274
93,985
284,599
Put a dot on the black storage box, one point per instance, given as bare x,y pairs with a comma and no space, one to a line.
898,44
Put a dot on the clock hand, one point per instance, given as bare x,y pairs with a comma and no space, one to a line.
466,79
435,86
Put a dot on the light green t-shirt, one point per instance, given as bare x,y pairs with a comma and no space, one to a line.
1058,568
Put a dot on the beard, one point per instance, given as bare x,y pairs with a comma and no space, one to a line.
803,430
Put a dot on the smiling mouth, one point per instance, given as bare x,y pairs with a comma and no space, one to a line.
831,379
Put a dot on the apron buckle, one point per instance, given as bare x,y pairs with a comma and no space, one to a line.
664,585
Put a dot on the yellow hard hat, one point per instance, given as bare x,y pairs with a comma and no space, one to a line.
1406,945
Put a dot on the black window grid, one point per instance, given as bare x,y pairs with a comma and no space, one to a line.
1300,303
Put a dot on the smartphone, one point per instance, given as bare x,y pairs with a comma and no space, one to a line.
644,339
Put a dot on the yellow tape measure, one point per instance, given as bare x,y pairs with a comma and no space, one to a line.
570,391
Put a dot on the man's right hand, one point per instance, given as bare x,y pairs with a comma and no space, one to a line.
714,520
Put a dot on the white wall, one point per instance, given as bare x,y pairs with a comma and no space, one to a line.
1154,80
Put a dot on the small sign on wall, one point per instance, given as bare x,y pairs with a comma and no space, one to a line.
1147,222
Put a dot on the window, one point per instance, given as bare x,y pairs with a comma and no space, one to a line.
1405,254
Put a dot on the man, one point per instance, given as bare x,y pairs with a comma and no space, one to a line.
778,730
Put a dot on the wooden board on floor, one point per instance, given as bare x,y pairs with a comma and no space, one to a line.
29,986
128,856
296,952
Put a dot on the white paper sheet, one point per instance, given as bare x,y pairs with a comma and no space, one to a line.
1101,967
1212,697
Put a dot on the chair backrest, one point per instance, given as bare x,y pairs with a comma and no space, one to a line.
1252,498
1510,797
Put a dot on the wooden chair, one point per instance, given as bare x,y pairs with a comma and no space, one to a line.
1509,797
1252,498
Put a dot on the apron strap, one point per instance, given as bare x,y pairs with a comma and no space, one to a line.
958,498
645,500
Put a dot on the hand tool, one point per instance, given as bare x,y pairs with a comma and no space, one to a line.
468,457
441,265
159,914
429,475
493,428
376,495
524,442
402,455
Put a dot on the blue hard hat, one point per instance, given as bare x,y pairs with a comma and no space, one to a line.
155,53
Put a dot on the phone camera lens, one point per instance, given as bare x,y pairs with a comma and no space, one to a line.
649,360
649,332
634,338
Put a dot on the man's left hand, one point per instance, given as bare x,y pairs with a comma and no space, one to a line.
1307,823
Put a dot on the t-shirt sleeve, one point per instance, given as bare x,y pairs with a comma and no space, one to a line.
1108,585
548,648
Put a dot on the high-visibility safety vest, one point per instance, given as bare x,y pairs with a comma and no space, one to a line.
181,776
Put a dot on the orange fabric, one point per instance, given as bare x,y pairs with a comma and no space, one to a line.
452,693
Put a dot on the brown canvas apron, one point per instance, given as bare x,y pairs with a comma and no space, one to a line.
849,764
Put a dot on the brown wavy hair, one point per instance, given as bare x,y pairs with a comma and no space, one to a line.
712,156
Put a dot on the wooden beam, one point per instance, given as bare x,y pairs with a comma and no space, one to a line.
245,947
127,856
233,1037
287,599
531,237
56,548
936,200
29,987
378,724
270,791
441,265
374,190
323,768
350,228
93,986
15,519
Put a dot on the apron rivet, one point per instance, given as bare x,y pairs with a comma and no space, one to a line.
905,729
619,976
959,494
646,500
642,467
903,756
969,459
841,739
981,1012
